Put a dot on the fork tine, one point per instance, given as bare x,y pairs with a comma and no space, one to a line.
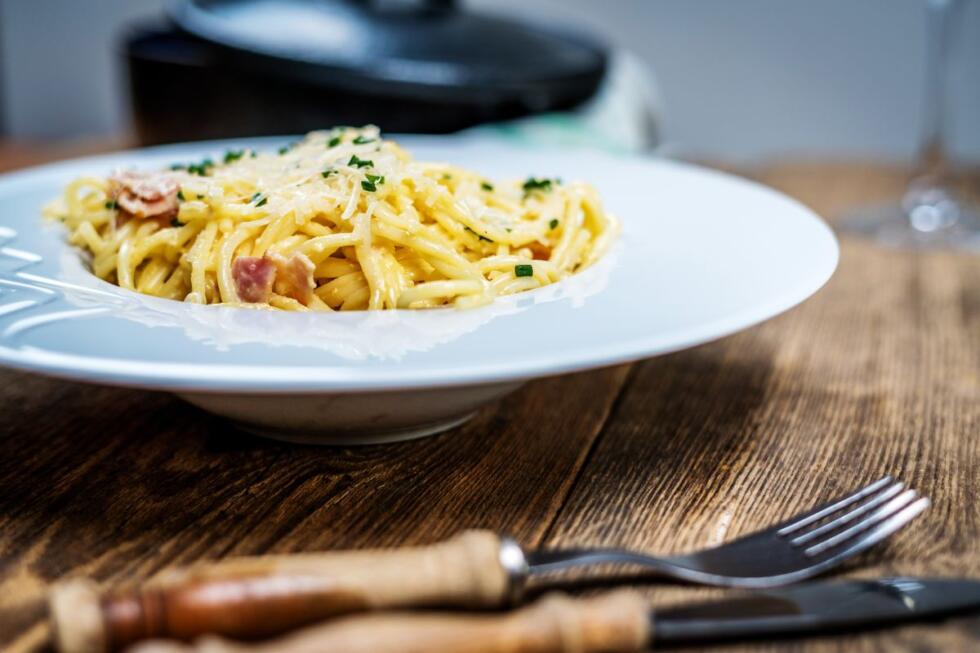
879,515
884,529
830,508
848,517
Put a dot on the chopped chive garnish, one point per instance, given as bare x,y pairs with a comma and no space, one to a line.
260,202
359,163
111,205
533,184
335,141
283,150
375,179
536,184
180,195
368,186
363,140
523,271
486,185
553,223
174,222
326,173
200,197
233,155
256,196
263,201
200,169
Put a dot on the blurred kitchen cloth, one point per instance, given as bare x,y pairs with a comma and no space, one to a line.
625,115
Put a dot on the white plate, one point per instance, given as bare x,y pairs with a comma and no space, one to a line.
702,255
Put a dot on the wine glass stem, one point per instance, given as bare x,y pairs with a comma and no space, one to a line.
932,165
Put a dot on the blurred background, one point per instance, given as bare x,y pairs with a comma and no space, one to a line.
724,80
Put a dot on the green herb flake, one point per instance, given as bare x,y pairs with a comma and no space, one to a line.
368,186
486,185
180,195
200,169
363,140
553,224
174,222
375,179
359,163
111,205
263,201
326,173
233,155
335,141
523,271
283,150
178,166
533,184
446,176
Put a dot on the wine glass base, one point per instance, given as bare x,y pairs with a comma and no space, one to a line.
889,225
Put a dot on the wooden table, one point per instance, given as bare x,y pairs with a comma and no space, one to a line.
878,373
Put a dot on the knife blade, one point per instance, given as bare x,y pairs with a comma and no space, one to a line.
817,607
618,622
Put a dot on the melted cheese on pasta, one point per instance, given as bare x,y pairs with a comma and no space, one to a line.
378,229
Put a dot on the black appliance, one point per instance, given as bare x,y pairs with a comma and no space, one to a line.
229,68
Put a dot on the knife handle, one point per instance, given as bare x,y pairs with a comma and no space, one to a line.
256,597
614,623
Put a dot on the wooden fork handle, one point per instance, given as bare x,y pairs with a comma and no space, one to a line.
614,623
251,598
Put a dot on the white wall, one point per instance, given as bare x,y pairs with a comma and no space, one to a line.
742,79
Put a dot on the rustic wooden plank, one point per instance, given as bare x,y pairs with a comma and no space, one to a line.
117,484
879,373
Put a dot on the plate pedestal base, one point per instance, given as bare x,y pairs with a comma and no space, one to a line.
352,418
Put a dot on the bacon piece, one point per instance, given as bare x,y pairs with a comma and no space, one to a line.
148,195
294,276
254,278
540,251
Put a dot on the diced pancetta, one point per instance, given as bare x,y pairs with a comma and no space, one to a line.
294,276
254,278
539,251
147,195
257,278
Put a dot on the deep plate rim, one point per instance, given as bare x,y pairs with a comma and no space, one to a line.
266,379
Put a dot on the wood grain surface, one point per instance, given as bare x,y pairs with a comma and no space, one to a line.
878,373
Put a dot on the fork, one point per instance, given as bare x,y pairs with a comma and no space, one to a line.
261,596
803,546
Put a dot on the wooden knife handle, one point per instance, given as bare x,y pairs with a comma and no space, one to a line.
252,598
614,623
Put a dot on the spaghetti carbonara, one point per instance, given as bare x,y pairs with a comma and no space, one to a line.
338,221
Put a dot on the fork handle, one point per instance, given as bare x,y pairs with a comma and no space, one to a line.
614,623
256,597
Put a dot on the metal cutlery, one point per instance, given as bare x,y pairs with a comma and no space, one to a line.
622,622
797,549
263,596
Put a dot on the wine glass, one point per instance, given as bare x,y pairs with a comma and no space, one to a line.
931,214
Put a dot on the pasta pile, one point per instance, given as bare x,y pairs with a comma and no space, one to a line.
342,220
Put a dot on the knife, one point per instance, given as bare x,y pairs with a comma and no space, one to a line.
620,622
